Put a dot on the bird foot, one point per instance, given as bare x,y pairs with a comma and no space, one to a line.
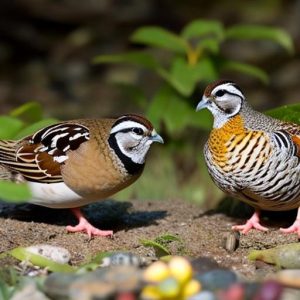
253,222
295,228
85,226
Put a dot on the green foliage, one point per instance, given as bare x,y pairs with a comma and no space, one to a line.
289,113
6,291
194,58
255,32
14,192
161,244
19,123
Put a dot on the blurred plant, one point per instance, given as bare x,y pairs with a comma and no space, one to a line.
161,244
195,57
19,123
182,62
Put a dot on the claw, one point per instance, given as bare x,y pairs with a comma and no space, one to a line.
85,226
295,227
253,222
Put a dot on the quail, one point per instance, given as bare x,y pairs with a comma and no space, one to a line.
73,163
252,156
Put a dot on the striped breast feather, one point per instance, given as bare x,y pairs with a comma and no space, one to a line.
285,141
39,157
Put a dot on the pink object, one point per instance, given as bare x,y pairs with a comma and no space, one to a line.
253,222
295,228
85,226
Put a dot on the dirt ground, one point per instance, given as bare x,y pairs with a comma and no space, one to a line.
202,232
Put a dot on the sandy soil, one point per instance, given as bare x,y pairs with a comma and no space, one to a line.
202,232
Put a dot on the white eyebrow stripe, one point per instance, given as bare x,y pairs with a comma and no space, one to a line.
230,88
127,125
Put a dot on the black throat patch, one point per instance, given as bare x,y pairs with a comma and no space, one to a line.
131,167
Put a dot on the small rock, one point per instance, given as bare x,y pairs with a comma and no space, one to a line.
289,278
270,290
123,259
29,292
251,289
217,279
105,283
204,264
57,285
91,290
290,294
57,254
231,241
204,295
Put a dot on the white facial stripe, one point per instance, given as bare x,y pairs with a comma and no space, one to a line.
127,125
228,87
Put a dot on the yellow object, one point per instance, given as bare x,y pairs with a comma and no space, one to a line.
169,288
172,281
191,288
180,269
150,292
156,272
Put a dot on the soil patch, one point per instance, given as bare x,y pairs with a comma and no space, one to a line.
202,232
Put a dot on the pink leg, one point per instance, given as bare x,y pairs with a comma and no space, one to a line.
295,228
85,226
253,222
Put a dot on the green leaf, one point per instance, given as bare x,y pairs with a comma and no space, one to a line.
200,28
247,69
141,59
35,127
256,32
175,112
159,249
14,192
9,127
183,77
22,254
29,112
159,37
6,291
209,45
289,113
202,119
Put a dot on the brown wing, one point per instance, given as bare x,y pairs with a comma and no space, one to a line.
39,157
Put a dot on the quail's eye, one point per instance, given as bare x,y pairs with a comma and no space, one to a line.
220,93
138,131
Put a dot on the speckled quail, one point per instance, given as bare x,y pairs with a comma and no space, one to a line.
251,156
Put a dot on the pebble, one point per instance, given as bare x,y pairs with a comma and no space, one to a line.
290,294
231,241
57,254
204,295
123,259
91,290
269,290
99,284
29,292
289,278
57,285
203,264
216,279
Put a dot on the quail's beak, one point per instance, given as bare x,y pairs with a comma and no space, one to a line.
202,104
155,137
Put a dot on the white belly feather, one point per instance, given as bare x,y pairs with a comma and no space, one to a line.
55,195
